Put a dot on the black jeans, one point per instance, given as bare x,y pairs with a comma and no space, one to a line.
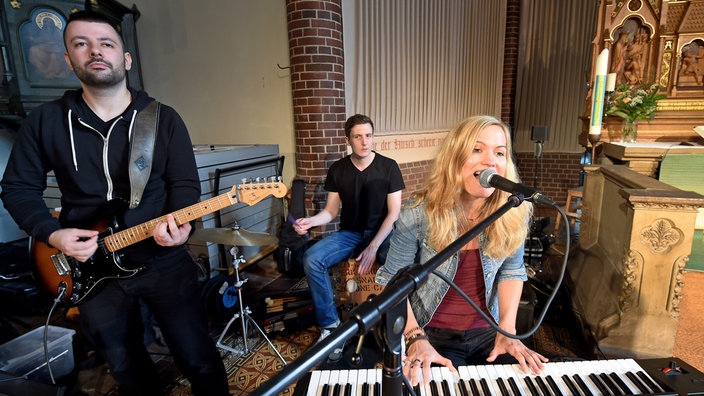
466,348
111,320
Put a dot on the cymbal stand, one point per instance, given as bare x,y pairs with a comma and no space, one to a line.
243,314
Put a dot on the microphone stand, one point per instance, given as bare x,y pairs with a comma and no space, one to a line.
388,310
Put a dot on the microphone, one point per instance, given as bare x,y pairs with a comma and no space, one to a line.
489,178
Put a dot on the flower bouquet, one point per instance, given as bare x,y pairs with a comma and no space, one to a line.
633,103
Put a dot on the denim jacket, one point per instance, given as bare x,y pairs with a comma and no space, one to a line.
409,245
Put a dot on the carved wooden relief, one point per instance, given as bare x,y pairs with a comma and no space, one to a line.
631,52
677,283
656,42
661,236
632,280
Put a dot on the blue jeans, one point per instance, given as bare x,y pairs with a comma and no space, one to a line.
327,252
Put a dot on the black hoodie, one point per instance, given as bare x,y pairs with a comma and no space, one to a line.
89,158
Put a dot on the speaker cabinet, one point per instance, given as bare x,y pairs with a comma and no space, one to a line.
539,133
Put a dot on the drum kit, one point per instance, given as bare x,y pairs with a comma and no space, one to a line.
232,294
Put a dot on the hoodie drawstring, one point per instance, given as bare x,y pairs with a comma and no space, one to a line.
73,145
129,133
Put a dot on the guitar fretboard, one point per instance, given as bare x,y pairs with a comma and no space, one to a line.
249,194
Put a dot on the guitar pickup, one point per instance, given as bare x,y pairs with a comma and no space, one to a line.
61,264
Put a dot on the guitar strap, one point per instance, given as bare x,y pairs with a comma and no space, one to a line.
142,151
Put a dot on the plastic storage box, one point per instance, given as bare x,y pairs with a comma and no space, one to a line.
24,355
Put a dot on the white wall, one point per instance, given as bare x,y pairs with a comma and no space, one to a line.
215,62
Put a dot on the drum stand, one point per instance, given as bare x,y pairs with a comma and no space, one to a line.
243,314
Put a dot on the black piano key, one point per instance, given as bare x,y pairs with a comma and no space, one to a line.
474,387
433,385
638,383
463,388
571,385
348,390
485,386
377,389
531,386
652,385
582,385
609,382
553,385
543,386
502,387
417,389
597,382
445,388
325,391
365,389
514,386
336,390
621,384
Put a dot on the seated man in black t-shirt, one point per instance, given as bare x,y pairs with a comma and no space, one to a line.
369,187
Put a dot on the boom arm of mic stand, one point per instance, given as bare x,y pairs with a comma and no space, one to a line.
389,305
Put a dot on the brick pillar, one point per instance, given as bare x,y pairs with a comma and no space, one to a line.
318,88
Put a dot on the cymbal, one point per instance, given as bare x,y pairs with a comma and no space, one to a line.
234,236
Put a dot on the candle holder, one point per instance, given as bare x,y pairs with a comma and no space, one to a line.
594,141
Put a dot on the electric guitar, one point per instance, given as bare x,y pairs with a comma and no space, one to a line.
63,274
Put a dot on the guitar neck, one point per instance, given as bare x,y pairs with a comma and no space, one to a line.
138,233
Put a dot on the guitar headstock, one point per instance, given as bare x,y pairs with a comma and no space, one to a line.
253,192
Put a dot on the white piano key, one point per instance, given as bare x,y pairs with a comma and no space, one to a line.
451,379
352,378
323,379
334,379
343,380
556,370
575,368
493,379
361,379
438,375
378,374
313,383
464,375
598,367
620,367
507,372
477,373
484,375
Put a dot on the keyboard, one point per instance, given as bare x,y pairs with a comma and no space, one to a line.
588,377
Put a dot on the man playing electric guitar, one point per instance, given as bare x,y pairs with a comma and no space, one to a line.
86,139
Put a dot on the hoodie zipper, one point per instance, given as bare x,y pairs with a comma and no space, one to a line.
106,140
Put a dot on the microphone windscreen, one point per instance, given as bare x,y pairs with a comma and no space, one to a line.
485,176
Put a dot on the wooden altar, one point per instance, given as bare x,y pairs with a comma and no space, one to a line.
653,41
645,157
626,274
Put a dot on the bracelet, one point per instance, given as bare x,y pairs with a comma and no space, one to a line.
410,332
415,338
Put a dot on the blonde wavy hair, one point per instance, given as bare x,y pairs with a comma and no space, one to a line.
444,187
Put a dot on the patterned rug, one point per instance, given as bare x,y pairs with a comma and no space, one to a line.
248,371
689,343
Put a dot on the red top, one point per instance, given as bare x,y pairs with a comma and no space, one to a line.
454,312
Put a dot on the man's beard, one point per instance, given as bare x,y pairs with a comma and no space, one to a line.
102,79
